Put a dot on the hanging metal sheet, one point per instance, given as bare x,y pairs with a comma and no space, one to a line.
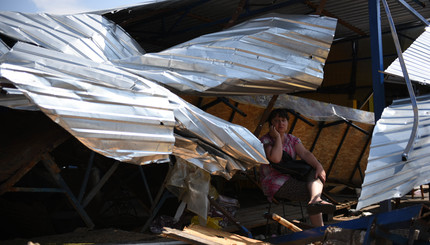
387,175
78,79
417,60
269,55
113,112
119,114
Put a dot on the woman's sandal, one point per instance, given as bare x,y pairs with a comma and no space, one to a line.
320,207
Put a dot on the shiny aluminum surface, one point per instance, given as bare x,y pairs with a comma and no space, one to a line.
119,114
416,59
387,175
269,55
90,77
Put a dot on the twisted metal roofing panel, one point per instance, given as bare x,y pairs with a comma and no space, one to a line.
387,175
112,112
122,115
270,55
78,78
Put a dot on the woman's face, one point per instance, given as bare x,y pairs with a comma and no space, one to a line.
280,124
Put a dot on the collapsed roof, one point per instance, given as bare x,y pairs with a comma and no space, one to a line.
90,77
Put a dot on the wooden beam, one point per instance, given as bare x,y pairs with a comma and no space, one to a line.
284,222
265,115
320,7
236,14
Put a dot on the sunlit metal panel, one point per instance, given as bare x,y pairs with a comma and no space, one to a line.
387,176
272,54
113,112
417,60
130,118
83,35
268,55
121,115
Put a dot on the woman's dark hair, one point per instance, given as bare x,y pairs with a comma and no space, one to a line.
278,112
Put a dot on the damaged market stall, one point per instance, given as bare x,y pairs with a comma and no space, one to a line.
388,174
91,78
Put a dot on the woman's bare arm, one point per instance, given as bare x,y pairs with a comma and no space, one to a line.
274,152
306,155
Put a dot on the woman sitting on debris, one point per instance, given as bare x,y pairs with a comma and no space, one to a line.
284,186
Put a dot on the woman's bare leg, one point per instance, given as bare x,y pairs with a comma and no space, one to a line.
315,189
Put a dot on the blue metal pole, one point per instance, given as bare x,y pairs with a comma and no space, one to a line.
377,66
377,57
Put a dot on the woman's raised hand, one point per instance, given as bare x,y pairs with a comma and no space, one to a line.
273,132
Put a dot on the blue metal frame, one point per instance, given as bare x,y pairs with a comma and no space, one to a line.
377,57
399,218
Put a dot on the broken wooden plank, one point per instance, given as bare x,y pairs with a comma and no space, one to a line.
345,205
196,234
284,222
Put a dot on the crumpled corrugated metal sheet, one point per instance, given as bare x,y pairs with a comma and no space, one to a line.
270,55
129,118
113,112
387,176
88,36
80,77
417,60
117,113
312,109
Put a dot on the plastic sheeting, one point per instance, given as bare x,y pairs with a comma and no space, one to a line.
387,176
191,185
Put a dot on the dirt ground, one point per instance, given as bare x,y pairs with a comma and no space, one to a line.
85,236
118,236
